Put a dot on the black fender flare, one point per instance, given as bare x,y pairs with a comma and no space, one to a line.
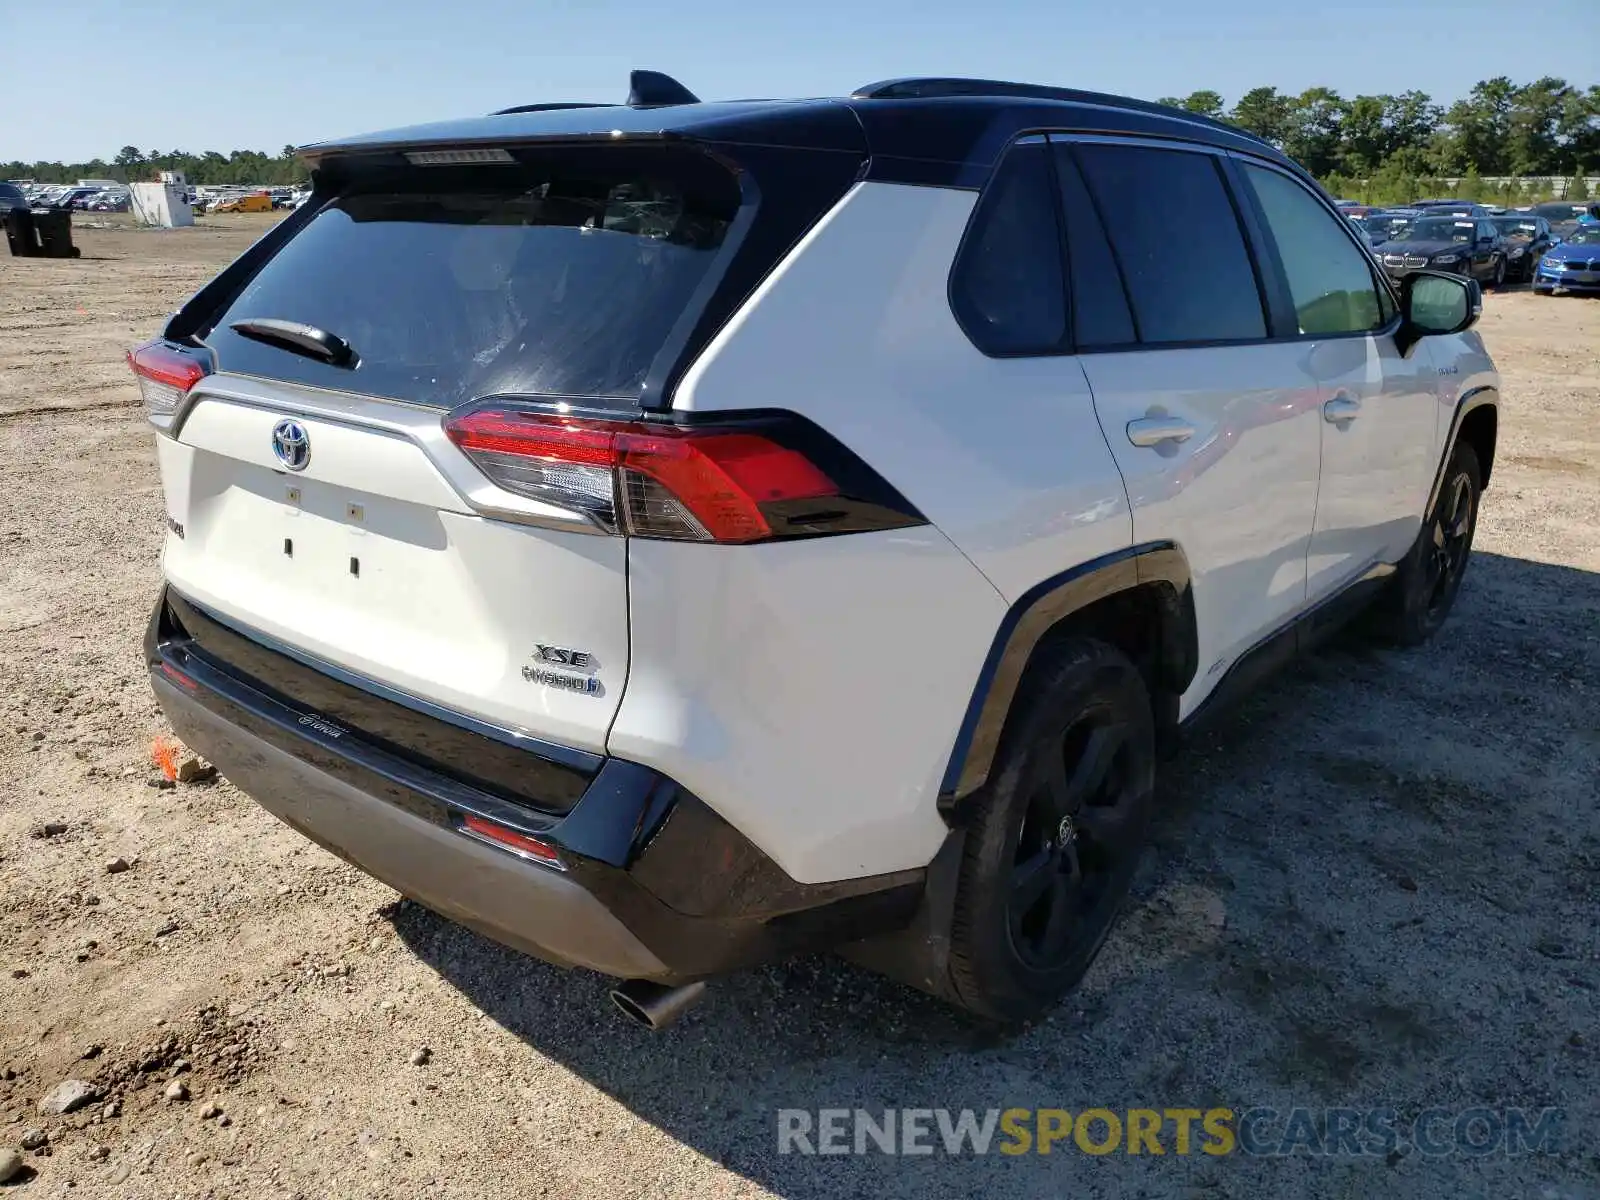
1468,402
1041,608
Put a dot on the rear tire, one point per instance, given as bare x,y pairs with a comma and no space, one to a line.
1056,834
1424,588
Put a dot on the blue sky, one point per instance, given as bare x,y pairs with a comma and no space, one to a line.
260,73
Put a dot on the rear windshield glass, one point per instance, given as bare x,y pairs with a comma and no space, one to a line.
560,275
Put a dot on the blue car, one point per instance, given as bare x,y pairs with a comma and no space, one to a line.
1572,265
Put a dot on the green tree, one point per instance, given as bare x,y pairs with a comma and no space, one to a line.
1411,118
1315,133
1264,112
1478,128
1578,189
1204,103
1364,135
1534,127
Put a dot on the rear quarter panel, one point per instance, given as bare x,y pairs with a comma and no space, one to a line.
812,692
809,691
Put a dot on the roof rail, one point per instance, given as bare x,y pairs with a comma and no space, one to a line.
557,104
914,88
652,89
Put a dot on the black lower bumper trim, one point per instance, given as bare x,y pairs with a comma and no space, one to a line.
666,888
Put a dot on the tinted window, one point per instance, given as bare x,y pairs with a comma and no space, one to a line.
560,276
1178,241
11,196
1330,281
1006,288
1099,305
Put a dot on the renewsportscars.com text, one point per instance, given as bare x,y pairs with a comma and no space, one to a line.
1259,1131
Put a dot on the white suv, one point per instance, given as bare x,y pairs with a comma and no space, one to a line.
672,535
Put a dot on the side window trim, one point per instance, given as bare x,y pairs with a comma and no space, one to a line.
1290,326
1282,322
1067,147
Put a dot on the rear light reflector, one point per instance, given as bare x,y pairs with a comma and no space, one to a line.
521,844
165,374
179,678
707,484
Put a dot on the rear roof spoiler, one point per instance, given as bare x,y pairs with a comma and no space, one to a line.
646,89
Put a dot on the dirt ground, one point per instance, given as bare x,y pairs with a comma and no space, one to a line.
1376,885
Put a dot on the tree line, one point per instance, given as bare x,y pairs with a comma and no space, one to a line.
1385,147
1388,148
133,165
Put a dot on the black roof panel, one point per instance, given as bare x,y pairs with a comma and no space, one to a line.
937,130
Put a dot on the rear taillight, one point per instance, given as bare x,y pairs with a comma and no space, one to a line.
165,373
693,483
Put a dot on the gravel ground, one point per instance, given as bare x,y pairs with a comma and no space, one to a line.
1375,886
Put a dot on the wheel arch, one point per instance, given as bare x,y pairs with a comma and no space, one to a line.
1476,422
1139,599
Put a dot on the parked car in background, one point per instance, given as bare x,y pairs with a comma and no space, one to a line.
11,196
1527,238
68,197
1564,215
1376,225
1460,245
1571,265
1453,208
254,202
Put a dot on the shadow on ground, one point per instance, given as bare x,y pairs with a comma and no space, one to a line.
1373,885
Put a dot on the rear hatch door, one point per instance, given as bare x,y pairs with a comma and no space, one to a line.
313,496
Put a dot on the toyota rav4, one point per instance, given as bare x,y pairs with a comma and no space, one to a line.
670,536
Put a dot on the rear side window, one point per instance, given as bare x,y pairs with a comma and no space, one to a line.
561,275
1006,288
1178,242
1330,280
1099,305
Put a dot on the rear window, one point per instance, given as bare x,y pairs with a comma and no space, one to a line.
561,275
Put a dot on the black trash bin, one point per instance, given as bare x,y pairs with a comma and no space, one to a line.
53,227
19,233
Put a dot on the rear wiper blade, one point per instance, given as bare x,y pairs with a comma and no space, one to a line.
299,338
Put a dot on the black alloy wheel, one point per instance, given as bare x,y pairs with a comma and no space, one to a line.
1079,831
1425,585
1053,840
1449,543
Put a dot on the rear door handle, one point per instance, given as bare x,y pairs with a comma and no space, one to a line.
1341,409
1152,431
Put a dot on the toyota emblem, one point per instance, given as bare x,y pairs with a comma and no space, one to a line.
292,444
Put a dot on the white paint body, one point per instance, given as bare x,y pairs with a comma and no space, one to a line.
811,691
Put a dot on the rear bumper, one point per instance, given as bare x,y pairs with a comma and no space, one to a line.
653,884
533,909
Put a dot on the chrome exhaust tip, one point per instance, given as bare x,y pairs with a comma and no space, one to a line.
655,1005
